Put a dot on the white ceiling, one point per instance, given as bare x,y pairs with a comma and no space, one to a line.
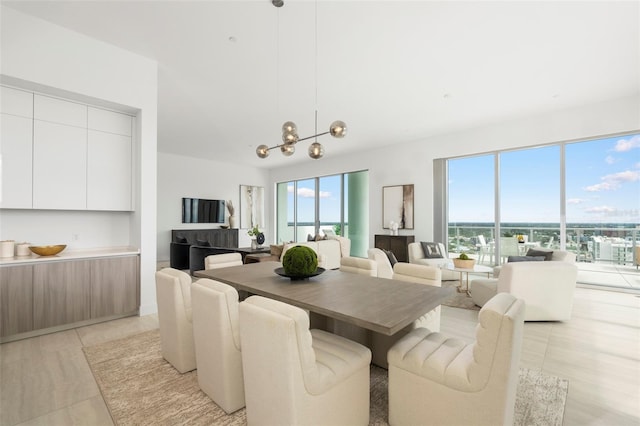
231,72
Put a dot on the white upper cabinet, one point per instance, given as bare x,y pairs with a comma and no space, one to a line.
108,171
59,111
16,102
16,155
109,121
59,166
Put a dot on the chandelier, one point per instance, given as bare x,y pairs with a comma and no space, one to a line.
338,129
290,138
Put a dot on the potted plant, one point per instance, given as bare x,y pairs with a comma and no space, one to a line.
258,237
464,262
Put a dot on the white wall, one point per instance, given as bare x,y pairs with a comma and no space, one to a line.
37,55
413,162
180,176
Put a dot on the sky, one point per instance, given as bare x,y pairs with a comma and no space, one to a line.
602,184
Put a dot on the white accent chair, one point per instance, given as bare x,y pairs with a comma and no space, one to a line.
546,287
385,270
216,332
358,265
416,255
420,274
224,260
444,381
173,295
556,256
297,376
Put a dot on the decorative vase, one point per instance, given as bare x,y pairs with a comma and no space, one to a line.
7,248
464,263
254,244
232,222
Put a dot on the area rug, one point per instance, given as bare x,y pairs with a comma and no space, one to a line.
457,299
141,388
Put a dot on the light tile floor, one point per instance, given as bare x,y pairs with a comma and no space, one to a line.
45,380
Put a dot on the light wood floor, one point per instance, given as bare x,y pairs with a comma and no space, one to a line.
46,380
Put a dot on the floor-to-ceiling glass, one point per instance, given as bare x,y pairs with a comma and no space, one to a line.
471,210
305,209
330,203
529,200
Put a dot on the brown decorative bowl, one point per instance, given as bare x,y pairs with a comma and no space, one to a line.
464,263
47,250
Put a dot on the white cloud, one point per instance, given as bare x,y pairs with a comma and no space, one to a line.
600,209
624,145
575,201
325,194
306,193
609,160
613,181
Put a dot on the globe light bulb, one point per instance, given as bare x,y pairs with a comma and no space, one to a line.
289,138
316,150
287,150
289,127
262,151
338,129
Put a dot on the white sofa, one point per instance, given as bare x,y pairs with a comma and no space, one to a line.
329,251
546,288
416,255
556,256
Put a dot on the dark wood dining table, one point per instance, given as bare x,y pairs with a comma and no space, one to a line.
381,305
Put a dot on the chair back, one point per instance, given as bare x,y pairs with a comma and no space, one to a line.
358,265
224,260
216,332
415,273
173,296
415,252
385,270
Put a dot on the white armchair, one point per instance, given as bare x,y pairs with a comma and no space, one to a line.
358,265
385,270
173,295
443,381
416,255
297,376
546,287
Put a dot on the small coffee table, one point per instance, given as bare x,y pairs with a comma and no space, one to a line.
477,269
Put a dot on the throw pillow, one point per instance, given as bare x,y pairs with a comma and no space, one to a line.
431,250
181,239
547,254
310,237
391,257
203,243
276,250
525,259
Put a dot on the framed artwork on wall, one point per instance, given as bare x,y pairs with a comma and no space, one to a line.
397,206
251,206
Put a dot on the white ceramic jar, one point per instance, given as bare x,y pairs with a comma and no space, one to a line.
7,248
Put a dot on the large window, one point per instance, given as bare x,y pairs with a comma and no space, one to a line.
581,196
321,205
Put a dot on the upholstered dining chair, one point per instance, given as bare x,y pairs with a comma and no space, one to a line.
224,260
216,332
415,273
173,295
359,265
297,376
444,381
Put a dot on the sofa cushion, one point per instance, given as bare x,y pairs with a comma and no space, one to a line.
525,258
181,239
431,250
391,257
203,243
548,255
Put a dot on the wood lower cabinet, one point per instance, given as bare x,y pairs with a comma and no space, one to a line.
61,293
114,286
66,293
397,244
16,300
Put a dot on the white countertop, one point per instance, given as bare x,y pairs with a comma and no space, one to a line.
68,254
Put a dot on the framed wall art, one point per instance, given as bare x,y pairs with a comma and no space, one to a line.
251,206
397,206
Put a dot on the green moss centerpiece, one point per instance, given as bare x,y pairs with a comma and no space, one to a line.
299,262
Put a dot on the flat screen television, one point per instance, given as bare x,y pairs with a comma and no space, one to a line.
199,210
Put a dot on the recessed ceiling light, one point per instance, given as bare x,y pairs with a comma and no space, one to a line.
232,39
447,96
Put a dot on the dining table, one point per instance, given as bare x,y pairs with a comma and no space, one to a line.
381,305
